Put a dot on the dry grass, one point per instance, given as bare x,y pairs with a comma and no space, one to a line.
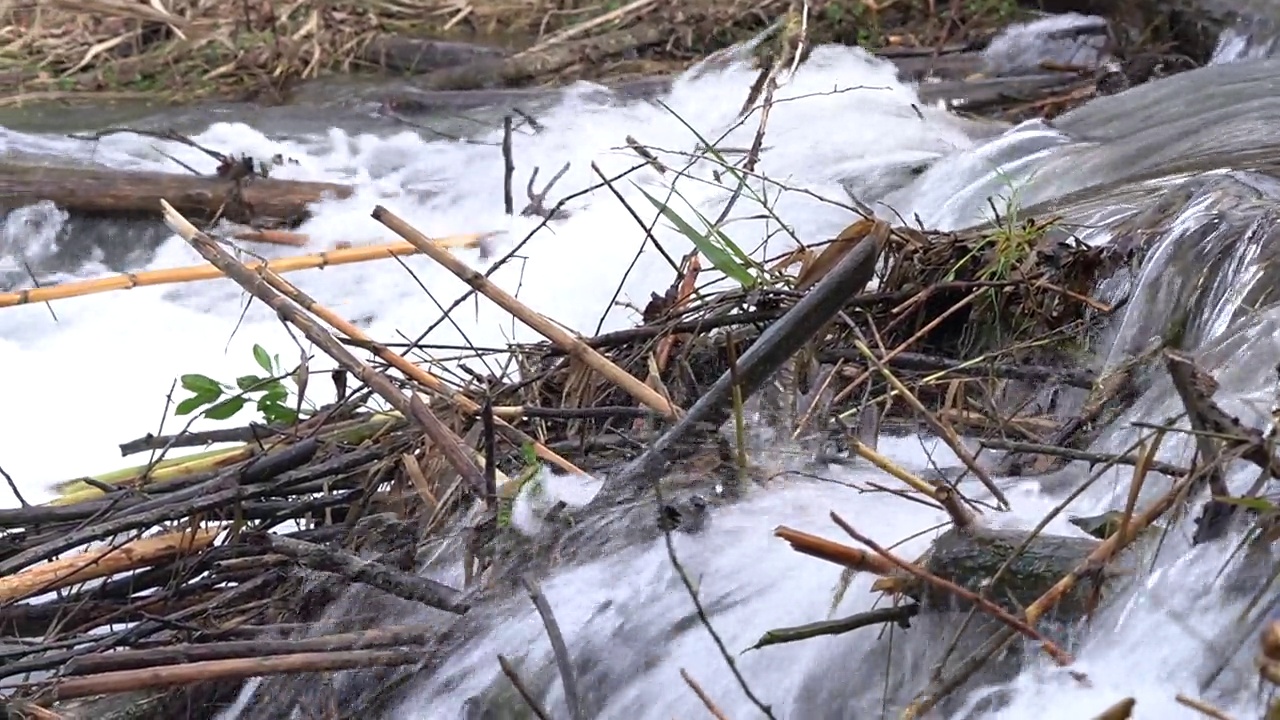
256,49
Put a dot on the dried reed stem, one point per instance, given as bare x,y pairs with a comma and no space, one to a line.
570,344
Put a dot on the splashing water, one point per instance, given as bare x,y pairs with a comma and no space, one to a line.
100,372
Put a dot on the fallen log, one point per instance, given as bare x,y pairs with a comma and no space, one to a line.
420,55
490,73
101,191
970,558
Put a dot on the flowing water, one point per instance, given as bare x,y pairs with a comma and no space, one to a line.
1184,161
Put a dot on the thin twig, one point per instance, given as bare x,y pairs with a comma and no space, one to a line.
707,702
534,706
706,620
508,168
563,661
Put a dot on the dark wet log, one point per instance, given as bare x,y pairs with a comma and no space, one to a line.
528,66
761,361
421,55
100,191
971,558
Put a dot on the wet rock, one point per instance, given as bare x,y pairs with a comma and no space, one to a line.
1069,40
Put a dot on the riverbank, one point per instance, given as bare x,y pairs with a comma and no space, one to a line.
193,49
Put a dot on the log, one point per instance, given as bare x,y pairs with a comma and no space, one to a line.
420,55
970,558
526,67
101,191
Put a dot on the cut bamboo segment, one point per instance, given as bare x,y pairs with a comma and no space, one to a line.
128,281
567,342
104,562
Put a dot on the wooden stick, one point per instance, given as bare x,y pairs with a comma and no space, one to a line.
510,671
834,552
707,702
136,659
272,237
570,344
944,496
441,437
193,273
411,371
374,574
568,677
1059,655
237,669
105,562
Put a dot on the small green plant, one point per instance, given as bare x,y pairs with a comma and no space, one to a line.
723,253
269,393
528,475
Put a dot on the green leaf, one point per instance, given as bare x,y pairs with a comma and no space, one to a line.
202,385
263,359
715,253
275,393
225,409
276,413
248,383
529,454
190,405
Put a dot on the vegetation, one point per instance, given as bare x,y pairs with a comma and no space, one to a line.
186,49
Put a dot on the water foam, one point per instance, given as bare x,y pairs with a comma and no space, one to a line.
100,373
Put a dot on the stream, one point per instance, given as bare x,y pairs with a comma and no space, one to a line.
1192,160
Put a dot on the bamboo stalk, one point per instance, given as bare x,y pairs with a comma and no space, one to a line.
77,490
194,273
411,371
944,496
105,562
570,344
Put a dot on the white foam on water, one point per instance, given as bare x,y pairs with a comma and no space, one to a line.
98,376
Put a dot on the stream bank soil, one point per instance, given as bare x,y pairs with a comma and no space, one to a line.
259,50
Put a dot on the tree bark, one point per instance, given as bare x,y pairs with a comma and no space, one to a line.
100,191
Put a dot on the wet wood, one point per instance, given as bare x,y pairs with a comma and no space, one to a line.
104,562
525,67
101,191
240,649
421,55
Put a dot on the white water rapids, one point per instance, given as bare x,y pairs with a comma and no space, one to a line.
76,386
